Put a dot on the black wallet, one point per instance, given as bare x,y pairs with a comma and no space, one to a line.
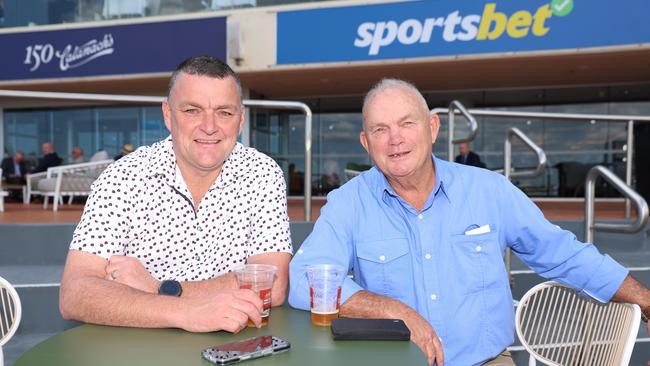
370,329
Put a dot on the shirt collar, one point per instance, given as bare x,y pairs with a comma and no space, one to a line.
163,162
444,180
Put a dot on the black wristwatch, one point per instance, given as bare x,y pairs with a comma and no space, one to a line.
170,288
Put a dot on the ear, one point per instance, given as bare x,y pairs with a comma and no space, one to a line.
167,114
242,119
435,127
364,140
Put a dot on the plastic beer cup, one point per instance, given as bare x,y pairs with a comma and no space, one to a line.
259,278
325,281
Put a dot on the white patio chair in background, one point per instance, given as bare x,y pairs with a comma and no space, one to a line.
557,326
32,180
349,174
3,194
10,314
70,180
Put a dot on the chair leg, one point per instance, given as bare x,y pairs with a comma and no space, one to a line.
2,359
45,198
2,204
531,361
69,199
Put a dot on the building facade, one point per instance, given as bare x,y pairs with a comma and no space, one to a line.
539,56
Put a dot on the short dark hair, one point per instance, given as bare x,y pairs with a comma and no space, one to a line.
204,66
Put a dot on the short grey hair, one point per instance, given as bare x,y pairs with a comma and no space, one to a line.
390,83
204,66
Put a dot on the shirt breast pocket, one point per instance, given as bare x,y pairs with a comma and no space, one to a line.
383,266
478,260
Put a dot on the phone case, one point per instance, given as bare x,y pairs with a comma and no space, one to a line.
246,349
370,329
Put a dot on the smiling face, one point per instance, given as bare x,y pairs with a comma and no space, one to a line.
205,117
398,133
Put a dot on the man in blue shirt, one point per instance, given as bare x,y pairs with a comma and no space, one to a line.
425,239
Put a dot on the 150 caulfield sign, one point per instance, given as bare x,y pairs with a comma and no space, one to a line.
455,27
111,50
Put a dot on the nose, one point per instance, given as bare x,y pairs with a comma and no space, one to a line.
395,136
209,123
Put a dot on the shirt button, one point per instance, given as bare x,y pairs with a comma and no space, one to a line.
420,216
382,258
434,297
478,248
197,257
299,251
427,256
199,228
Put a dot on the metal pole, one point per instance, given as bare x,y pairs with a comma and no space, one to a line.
589,209
628,165
450,140
507,156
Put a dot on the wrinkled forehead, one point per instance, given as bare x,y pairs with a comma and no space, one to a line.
396,99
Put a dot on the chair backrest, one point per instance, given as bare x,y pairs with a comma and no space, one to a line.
558,326
349,174
10,311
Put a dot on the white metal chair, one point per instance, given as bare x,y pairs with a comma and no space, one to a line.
32,180
10,313
557,326
70,180
3,194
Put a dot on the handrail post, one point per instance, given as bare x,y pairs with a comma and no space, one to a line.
507,165
473,127
628,165
616,182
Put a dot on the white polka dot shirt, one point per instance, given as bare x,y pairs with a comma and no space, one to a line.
140,206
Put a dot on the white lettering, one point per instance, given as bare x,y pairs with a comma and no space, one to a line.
429,23
415,28
69,57
470,26
381,38
365,37
450,24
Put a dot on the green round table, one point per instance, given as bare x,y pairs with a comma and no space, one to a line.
310,345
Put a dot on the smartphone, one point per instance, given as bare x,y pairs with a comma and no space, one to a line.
246,349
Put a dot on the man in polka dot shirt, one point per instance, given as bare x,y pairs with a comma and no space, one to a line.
165,226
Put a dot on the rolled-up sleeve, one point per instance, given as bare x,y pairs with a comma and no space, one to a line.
329,243
555,253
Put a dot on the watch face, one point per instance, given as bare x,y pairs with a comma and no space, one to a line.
170,287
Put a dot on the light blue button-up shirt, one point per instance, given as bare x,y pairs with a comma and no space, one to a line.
457,282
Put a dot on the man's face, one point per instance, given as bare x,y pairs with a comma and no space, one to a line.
47,148
76,153
463,148
204,116
18,157
398,133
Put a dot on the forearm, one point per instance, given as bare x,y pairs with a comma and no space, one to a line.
99,301
365,304
634,292
227,281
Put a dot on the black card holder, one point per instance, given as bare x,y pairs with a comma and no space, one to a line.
370,329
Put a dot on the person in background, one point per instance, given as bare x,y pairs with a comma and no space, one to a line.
467,156
425,239
126,149
13,168
50,158
77,155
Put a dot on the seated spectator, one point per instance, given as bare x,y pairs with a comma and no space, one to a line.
126,149
467,156
99,156
13,168
77,155
50,158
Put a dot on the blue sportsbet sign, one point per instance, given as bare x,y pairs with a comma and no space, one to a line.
457,27
109,50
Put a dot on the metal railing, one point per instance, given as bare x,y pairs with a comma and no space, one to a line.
473,126
630,120
266,104
507,155
616,182
507,172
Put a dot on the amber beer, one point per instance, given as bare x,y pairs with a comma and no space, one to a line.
323,317
265,296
